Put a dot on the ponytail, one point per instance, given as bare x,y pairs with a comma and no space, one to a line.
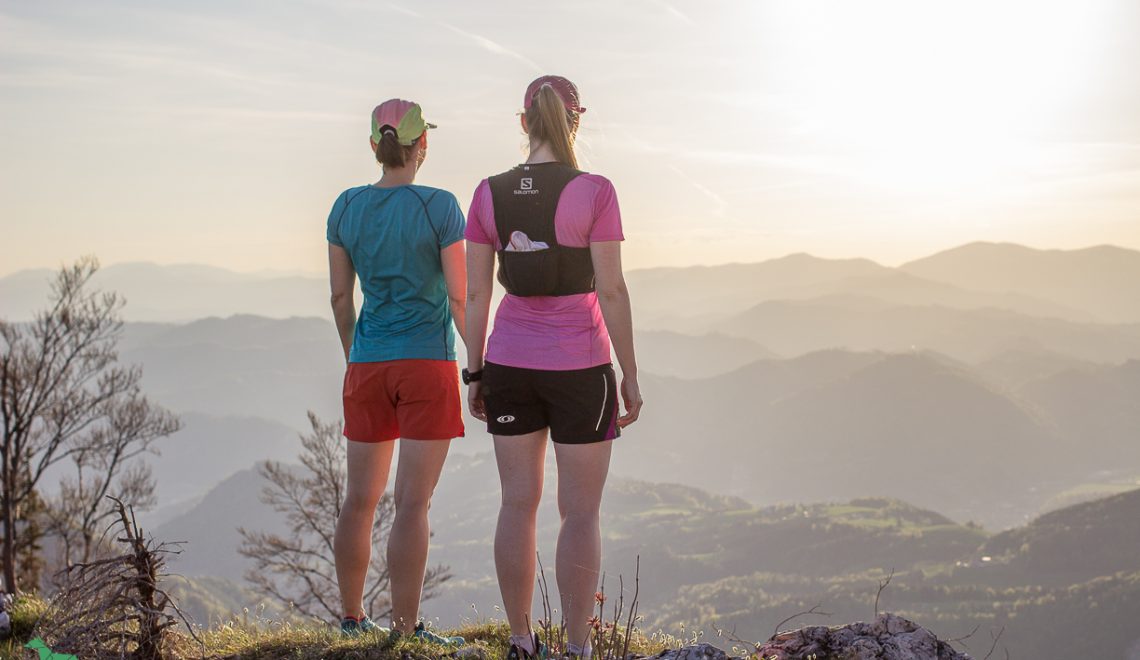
548,120
390,153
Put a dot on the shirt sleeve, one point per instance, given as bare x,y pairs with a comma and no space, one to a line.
333,230
477,216
452,228
607,215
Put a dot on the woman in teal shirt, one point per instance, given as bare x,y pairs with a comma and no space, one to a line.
405,244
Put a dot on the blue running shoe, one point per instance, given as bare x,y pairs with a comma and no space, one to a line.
353,627
421,632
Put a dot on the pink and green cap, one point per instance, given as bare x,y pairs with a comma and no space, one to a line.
404,118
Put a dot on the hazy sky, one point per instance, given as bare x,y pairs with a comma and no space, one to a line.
220,132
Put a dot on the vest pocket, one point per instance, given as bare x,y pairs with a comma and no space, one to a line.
529,273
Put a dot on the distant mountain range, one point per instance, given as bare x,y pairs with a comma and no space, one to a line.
794,327
1008,432
243,366
701,296
179,293
1099,284
1102,280
836,425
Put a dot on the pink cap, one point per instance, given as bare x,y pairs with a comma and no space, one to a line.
566,90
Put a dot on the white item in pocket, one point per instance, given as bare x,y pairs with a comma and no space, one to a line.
520,242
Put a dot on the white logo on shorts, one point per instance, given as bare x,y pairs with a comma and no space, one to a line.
506,419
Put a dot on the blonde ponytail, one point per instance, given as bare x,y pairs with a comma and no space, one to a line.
548,120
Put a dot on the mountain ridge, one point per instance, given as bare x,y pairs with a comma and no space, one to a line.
179,291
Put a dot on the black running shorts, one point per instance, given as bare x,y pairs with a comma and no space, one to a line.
579,406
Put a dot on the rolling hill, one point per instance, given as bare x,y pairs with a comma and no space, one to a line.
1074,544
831,425
179,293
698,298
793,327
686,356
208,449
242,366
1097,407
1102,280
1064,585
1014,368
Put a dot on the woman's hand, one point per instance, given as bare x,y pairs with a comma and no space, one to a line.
475,401
631,395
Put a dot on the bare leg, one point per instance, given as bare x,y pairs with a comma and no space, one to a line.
368,465
521,461
416,476
582,471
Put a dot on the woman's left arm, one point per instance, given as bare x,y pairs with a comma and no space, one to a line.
454,260
613,298
342,281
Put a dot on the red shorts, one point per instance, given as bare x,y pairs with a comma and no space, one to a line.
412,399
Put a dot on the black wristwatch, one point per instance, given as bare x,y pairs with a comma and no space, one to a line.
471,376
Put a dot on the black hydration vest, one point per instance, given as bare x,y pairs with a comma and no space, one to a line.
525,199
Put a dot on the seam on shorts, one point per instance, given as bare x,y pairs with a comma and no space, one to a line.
605,399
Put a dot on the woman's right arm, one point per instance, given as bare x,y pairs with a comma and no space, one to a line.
480,285
342,281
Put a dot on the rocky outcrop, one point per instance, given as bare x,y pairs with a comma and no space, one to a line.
888,637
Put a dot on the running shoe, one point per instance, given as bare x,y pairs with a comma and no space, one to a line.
421,632
353,627
518,653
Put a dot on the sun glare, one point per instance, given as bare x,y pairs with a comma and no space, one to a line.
929,97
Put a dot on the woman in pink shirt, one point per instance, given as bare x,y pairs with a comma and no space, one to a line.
547,369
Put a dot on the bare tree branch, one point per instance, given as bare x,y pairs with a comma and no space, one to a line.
115,607
813,611
882,585
996,638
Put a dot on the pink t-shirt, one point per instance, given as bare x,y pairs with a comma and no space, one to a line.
556,333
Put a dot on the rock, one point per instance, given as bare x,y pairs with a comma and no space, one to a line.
695,652
5,618
888,637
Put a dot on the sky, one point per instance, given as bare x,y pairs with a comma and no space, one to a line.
220,132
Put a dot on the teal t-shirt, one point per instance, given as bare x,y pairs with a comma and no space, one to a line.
394,236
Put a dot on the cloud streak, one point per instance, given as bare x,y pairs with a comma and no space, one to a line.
493,46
